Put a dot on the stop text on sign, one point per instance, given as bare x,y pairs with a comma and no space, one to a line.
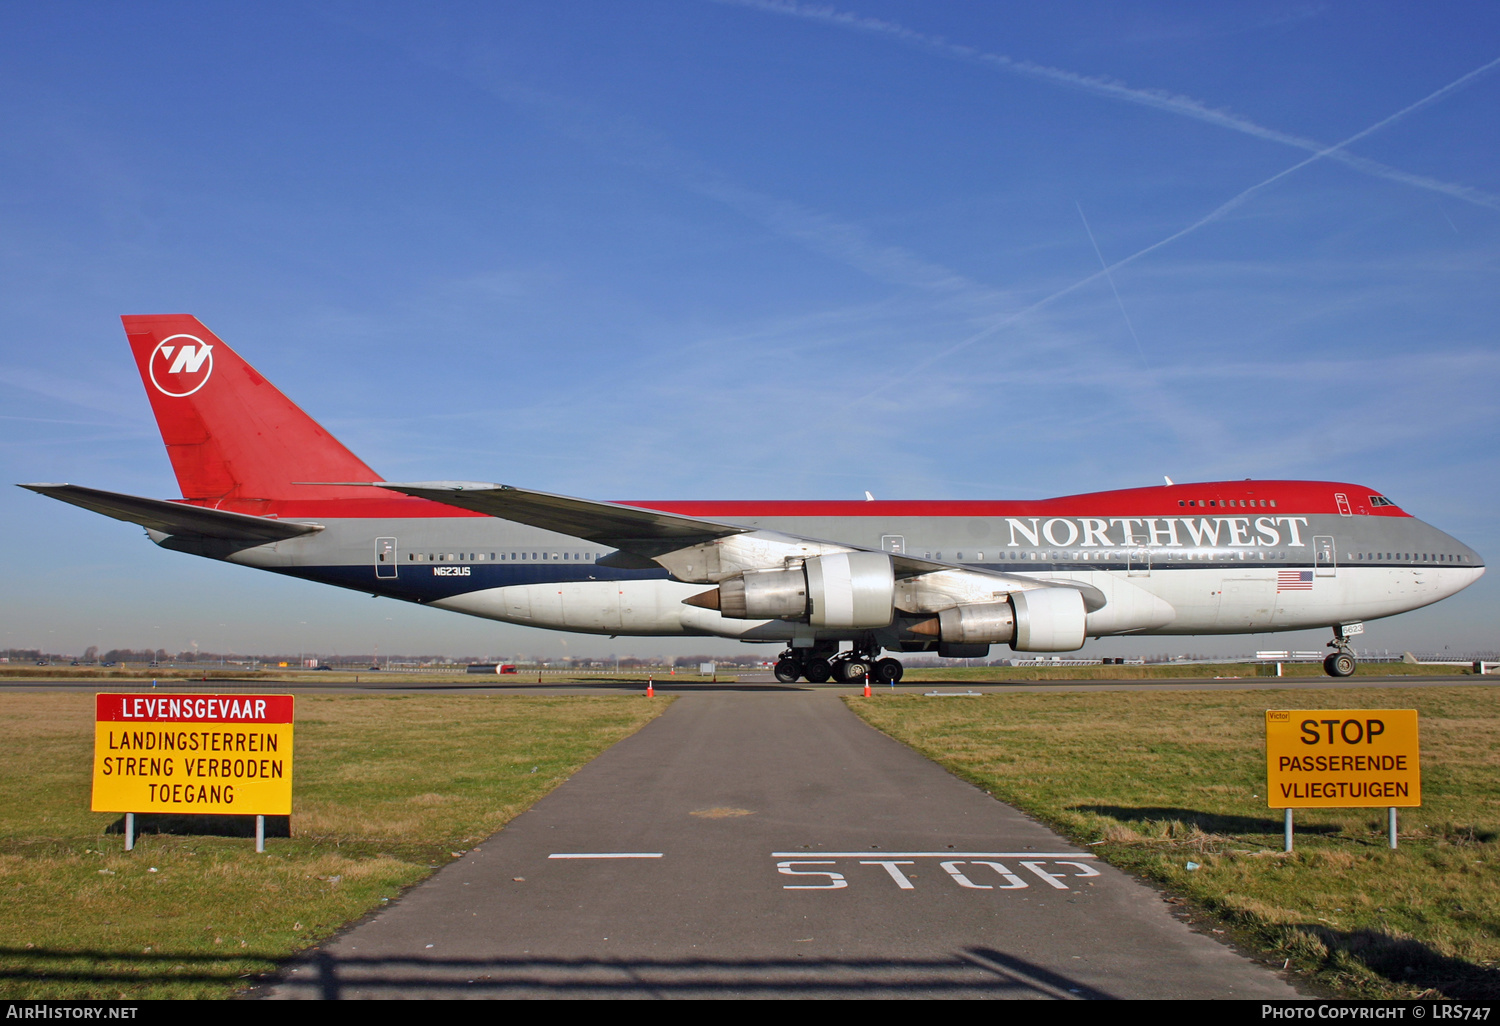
1349,731
221,754
1342,758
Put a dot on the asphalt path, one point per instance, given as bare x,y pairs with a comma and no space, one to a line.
764,843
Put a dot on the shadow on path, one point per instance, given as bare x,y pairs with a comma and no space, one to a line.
972,971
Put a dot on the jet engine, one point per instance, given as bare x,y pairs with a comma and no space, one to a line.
1036,620
839,591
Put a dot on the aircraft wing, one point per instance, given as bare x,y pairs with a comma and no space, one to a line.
649,533
176,518
645,531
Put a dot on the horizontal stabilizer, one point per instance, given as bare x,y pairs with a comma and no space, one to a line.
624,527
176,518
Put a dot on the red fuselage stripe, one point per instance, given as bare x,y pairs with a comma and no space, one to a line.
1305,498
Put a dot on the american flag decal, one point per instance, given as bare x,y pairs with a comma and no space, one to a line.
1293,580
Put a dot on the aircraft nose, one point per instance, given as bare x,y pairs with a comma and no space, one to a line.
1467,556
1470,568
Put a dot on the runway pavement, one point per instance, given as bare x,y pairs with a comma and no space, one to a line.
770,844
762,683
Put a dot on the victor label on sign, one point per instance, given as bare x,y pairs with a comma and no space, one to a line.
1342,758
213,754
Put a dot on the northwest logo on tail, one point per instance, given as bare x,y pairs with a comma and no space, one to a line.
180,365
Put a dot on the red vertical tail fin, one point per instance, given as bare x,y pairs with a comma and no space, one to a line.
234,440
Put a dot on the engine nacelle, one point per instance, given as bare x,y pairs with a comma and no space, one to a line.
765,595
1036,620
851,590
839,591
990,623
1048,620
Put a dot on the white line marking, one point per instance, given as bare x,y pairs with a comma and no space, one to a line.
896,874
930,854
1052,879
606,855
835,882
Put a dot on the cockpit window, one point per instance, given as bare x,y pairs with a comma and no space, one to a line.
1380,500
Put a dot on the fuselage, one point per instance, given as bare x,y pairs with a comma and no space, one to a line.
1216,558
266,486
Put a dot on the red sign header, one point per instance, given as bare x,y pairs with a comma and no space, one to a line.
193,708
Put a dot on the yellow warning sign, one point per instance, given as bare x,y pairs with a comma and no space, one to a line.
1342,758
221,754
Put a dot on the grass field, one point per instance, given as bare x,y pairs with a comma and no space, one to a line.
386,790
1153,781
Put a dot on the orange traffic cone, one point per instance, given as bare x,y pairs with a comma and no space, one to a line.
650,688
867,685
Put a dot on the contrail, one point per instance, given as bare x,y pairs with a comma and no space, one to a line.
1172,103
1212,215
1120,302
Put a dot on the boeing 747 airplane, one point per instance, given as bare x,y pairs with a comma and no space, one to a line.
835,583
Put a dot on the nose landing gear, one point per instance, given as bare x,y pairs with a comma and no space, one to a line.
1341,662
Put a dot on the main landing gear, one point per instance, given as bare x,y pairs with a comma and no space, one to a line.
819,666
1340,663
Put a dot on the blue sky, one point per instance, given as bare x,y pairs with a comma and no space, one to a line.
687,249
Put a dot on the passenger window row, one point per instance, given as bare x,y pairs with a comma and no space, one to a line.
1411,557
514,557
1227,502
1103,554
1100,555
